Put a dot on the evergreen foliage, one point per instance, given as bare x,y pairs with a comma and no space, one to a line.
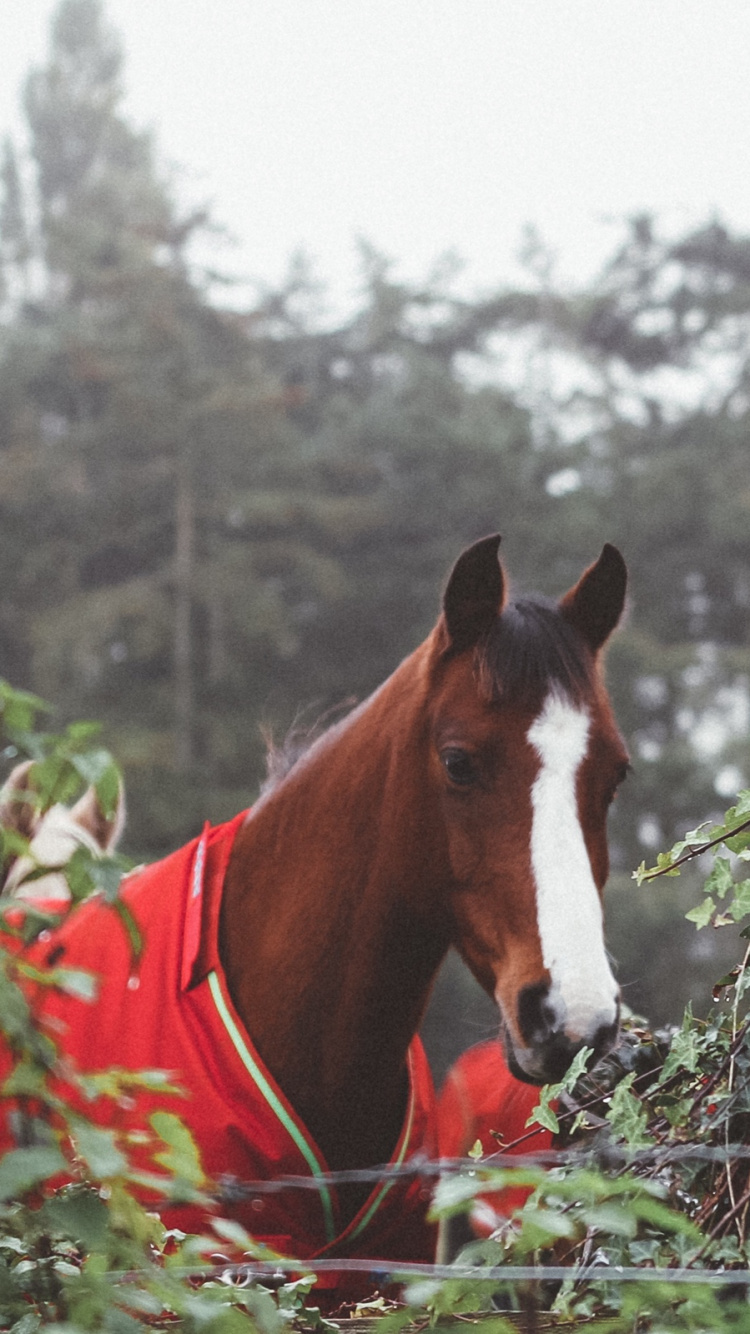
212,519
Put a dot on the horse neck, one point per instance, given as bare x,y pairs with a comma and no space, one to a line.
331,925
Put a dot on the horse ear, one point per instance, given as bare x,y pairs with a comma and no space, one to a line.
594,605
474,594
104,829
18,810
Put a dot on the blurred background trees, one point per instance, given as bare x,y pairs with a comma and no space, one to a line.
212,518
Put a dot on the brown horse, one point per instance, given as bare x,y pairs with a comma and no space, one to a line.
464,803
289,955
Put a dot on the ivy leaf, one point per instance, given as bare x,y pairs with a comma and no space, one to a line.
578,1067
543,1114
741,809
740,905
627,1115
684,1052
702,913
721,879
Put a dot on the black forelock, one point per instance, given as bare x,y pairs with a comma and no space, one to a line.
531,648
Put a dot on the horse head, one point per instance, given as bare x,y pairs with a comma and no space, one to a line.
527,759
52,837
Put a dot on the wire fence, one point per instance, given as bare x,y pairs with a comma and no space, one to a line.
606,1157
391,1272
384,1273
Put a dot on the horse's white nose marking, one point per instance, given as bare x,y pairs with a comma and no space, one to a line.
583,991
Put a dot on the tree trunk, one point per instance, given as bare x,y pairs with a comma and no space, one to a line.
183,646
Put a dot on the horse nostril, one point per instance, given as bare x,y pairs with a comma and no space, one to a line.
543,1033
558,1056
537,1020
606,1036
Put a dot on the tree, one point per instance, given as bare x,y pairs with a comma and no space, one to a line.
133,411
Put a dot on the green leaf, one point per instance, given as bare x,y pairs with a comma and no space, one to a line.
740,905
702,913
684,1053
741,809
181,1157
119,1322
82,731
542,1227
80,1215
668,1220
98,1148
108,789
612,1217
627,1116
578,1067
75,982
114,1082
26,1079
454,1193
92,765
543,1114
721,879
19,708
21,1169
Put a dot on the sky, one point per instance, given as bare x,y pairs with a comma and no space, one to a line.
430,126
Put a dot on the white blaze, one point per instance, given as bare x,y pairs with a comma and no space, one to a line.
583,991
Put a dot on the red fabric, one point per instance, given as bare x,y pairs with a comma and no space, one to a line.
170,1009
481,1095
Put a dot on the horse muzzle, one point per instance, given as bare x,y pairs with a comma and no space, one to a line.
550,1038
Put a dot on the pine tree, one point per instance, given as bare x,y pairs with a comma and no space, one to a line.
129,408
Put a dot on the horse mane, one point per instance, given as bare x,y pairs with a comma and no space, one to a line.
281,757
531,648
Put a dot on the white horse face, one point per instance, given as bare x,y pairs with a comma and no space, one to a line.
53,837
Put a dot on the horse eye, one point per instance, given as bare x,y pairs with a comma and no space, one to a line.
459,766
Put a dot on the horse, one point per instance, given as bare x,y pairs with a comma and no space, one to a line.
288,956
53,836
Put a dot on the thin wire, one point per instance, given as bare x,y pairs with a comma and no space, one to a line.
390,1271
607,1155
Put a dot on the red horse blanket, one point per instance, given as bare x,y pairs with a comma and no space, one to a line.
480,1096
170,1008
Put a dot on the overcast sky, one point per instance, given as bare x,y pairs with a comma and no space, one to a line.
429,125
